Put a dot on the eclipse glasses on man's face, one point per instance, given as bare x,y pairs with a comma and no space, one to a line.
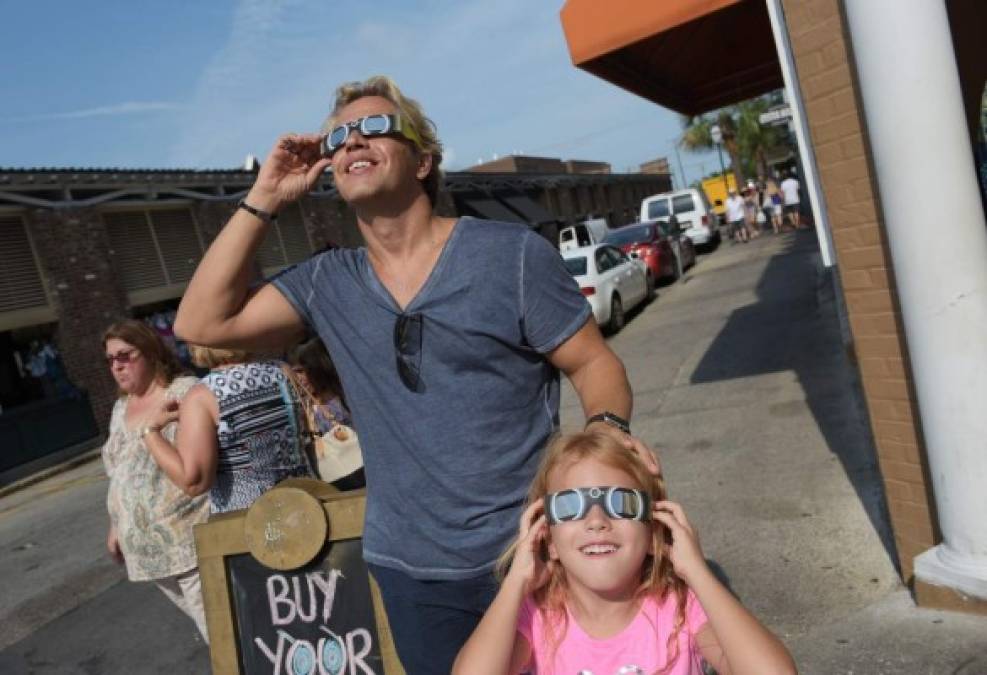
371,125
619,503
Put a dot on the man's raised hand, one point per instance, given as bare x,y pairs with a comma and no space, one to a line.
290,171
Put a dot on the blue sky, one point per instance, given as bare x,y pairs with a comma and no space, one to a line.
185,84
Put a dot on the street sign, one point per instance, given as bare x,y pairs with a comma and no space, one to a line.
775,115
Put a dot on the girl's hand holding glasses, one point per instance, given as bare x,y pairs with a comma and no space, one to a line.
527,565
684,550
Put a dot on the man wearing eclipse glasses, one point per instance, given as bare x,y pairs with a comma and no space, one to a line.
448,335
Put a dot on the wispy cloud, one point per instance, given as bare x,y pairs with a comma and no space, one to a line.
115,110
493,76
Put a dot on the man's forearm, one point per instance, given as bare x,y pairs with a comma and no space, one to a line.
219,286
602,386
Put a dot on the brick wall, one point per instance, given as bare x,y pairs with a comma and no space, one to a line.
824,64
74,252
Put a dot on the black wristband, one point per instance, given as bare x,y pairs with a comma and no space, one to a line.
268,218
612,420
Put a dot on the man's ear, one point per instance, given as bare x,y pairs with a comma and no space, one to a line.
424,165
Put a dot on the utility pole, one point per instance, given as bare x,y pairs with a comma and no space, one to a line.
678,158
717,135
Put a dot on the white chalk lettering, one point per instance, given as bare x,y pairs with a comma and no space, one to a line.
301,658
278,598
332,653
286,601
312,606
274,658
328,588
356,658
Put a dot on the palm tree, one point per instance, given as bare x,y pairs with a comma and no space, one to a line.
745,139
756,140
696,135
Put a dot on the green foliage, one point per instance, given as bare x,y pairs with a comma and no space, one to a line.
745,139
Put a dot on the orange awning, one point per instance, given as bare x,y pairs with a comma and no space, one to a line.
687,55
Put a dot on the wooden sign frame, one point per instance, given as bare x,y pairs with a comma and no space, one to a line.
224,535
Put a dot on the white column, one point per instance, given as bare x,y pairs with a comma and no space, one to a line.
779,28
938,240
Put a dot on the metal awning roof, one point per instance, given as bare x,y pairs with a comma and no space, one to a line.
530,210
485,206
687,55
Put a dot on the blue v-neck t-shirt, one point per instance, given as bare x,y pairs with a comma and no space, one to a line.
448,466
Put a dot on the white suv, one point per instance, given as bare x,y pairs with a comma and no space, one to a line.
691,208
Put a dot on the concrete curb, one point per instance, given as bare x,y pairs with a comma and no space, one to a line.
26,482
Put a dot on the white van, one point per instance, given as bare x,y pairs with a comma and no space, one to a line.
586,233
691,208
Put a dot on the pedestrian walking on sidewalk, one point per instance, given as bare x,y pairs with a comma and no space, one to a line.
737,217
793,205
151,520
448,335
773,199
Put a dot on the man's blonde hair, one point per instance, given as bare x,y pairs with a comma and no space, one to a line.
412,114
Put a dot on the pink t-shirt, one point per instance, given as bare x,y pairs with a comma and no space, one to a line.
640,649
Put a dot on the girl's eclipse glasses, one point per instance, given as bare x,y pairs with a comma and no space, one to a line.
619,503
371,125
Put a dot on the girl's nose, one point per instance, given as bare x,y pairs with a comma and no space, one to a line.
596,518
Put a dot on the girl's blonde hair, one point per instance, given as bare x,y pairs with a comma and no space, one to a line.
411,112
657,578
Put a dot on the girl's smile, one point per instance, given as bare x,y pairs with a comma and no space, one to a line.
599,554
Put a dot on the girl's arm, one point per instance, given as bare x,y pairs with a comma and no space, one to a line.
734,642
191,462
496,647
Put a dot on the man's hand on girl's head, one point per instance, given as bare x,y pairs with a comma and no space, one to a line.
647,455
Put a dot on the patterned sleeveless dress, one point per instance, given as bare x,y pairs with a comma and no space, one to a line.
261,433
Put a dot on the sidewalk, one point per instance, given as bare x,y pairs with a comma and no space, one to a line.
84,457
742,383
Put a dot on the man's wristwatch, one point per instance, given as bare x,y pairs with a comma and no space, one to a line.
612,420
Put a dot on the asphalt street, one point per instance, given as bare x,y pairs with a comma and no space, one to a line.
742,383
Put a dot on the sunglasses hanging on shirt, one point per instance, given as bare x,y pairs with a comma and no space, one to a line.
408,350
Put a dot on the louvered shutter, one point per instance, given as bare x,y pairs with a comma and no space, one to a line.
134,254
271,253
178,242
20,281
293,234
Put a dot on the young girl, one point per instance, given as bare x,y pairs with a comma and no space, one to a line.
607,577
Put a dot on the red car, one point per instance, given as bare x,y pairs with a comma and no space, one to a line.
651,242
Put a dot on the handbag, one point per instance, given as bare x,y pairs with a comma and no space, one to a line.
335,453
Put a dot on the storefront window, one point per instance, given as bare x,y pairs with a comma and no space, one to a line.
31,367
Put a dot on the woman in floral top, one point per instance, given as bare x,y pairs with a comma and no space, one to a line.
151,520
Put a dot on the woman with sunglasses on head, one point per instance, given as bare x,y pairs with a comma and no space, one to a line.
240,431
151,520
607,576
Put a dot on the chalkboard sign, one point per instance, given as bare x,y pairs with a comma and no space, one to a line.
286,589
315,620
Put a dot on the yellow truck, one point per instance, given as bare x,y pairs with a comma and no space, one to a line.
716,192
